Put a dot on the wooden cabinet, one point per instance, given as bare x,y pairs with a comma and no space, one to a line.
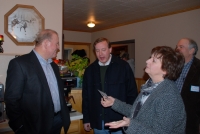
77,95
9,132
139,82
74,128
5,129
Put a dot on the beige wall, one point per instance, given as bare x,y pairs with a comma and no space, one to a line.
148,34
73,36
51,10
82,37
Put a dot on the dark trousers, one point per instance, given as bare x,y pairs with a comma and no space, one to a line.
192,124
56,128
57,124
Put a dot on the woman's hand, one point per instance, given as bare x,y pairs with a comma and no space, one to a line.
107,102
117,124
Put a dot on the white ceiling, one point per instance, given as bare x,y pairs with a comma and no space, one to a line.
113,13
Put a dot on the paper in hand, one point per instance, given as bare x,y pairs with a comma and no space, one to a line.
103,94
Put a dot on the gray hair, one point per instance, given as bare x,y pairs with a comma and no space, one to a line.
193,44
124,54
45,34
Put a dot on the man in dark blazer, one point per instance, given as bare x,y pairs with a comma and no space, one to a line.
34,95
189,84
111,75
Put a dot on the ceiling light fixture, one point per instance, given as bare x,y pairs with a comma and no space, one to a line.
91,24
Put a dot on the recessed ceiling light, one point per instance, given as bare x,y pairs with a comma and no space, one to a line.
91,24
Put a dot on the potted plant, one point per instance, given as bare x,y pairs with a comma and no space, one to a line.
78,65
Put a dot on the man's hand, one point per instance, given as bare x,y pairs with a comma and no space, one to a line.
87,127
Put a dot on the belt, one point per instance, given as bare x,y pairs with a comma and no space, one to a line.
56,113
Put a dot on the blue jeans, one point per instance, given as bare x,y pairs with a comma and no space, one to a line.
107,131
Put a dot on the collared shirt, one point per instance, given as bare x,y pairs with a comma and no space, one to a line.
181,79
51,79
107,63
147,88
146,91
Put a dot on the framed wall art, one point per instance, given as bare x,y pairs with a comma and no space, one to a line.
22,24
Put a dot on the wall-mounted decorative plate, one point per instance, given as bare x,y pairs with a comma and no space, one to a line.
22,24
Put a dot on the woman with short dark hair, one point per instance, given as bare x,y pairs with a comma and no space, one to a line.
158,108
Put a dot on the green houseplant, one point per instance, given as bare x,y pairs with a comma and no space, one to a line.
78,65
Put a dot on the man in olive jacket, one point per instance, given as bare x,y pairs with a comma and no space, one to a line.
34,94
111,75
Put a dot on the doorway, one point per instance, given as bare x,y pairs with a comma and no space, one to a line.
126,45
70,47
117,49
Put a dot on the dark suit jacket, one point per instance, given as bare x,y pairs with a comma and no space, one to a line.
27,96
119,83
192,99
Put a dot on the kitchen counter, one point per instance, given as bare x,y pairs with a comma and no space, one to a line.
76,116
73,116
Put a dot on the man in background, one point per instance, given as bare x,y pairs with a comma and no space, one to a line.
112,76
125,56
34,94
189,84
